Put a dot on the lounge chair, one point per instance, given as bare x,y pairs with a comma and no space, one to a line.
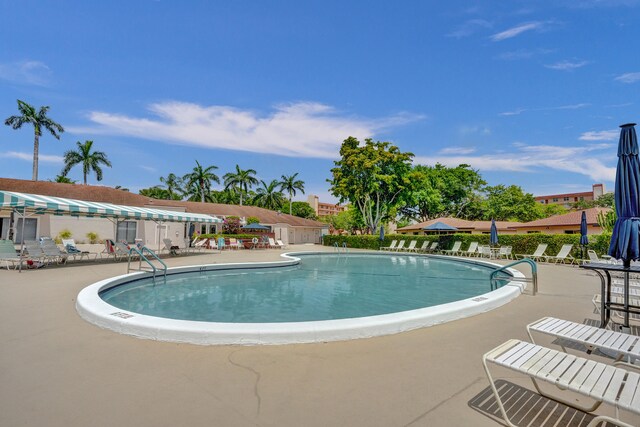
123,250
200,245
424,247
595,259
505,252
412,246
34,250
537,255
8,254
51,250
473,247
433,247
391,247
73,251
562,256
604,383
273,244
484,251
400,246
170,247
454,250
282,245
626,346
233,243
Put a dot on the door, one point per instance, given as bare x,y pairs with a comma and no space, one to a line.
30,229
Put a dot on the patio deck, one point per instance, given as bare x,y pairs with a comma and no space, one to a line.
58,370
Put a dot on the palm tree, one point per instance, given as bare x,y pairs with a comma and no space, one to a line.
39,120
290,184
242,180
173,183
88,159
201,178
268,196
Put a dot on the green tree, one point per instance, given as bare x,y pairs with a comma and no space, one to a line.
268,196
173,184
373,177
511,204
62,179
155,192
39,120
552,210
607,200
198,181
290,184
241,180
349,220
90,160
438,191
303,210
253,220
231,225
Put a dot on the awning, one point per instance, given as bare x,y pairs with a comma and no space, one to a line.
37,204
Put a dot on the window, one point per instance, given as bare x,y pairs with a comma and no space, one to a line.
30,229
127,231
533,232
555,199
566,199
570,232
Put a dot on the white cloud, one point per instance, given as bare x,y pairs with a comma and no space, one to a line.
26,72
469,28
42,158
148,168
567,65
561,107
517,30
458,150
305,129
475,130
533,158
602,135
628,77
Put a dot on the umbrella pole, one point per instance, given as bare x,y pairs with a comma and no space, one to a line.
625,327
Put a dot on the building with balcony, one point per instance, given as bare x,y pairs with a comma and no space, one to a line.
568,199
322,208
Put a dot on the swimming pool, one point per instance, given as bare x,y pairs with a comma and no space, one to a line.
309,297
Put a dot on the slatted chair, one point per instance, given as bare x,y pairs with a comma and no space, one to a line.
391,247
454,250
600,381
537,255
400,246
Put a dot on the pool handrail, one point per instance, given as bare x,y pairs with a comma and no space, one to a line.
140,252
534,273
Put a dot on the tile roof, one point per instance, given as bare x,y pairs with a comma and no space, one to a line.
572,218
462,224
97,193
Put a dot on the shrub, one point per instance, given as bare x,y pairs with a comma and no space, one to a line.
521,243
231,225
63,234
253,220
93,237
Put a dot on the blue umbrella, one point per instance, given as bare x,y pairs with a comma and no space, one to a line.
255,226
440,226
494,233
625,238
584,240
381,233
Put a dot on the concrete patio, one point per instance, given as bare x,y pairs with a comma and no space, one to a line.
58,370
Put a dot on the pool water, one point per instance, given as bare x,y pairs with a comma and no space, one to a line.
320,287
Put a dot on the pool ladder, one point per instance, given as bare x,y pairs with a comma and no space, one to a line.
139,252
338,247
533,279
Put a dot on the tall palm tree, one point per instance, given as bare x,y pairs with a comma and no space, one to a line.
39,120
173,183
201,177
242,180
90,160
290,184
269,196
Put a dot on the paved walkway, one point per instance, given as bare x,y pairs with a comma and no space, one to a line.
58,370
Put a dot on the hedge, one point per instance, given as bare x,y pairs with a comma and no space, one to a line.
521,243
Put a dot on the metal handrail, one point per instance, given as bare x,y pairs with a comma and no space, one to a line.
534,272
141,257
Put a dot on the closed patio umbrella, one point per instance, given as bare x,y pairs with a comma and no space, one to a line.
381,233
625,238
494,234
584,240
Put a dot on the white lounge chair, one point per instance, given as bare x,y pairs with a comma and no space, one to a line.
73,251
625,345
505,252
433,247
537,255
390,247
454,250
412,246
35,252
273,244
282,245
400,246
473,247
562,256
51,250
424,247
170,247
604,383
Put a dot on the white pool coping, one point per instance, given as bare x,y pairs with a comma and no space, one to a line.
95,310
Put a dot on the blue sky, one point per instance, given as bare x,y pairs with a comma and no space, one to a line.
529,93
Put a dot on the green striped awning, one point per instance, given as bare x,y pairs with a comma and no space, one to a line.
61,206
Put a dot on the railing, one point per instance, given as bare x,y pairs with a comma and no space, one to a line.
151,267
534,273
337,247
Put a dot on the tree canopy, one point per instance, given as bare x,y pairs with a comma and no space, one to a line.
373,177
